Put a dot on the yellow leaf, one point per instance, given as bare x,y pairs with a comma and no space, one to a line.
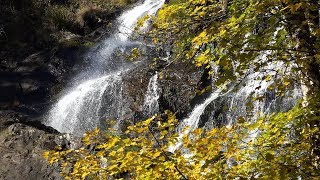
286,83
157,154
295,7
46,154
112,153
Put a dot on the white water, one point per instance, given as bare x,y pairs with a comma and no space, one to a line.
252,86
130,18
99,97
191,123
80,110
127,21
151,105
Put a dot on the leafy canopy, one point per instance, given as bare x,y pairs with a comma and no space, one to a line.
234,35
238,37
282,150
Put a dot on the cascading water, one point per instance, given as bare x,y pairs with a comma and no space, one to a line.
129,19
99,94
81,111
191,123
231,105
151,105
236,104
225,110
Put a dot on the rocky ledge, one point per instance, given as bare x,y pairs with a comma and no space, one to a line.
22,144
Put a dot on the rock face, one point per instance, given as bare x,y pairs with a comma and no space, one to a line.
40,44
178,85
22,147
135,84
21,151
28,83
35,63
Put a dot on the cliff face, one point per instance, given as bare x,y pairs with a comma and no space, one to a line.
22,145
41,52
40,43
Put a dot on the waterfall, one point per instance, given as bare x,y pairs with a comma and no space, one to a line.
129,19
81,109
97,93
191,122
151,105
254,85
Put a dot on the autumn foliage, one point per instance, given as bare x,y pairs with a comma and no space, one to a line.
277,147
232,36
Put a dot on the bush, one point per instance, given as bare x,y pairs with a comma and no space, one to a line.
33,25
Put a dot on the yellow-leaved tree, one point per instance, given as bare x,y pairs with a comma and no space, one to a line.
230,35
282,150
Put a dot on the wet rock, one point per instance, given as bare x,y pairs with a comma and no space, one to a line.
178,85
22,146
135,84
215,113
21,150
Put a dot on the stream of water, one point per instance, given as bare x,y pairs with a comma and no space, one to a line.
98,95
151,105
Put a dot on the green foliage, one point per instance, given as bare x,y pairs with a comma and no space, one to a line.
75,43
135,53
60,16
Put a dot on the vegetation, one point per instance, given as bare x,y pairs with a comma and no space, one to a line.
236,37
282,150
33,25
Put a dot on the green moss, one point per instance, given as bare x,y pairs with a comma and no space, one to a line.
76,43
204,90
88,44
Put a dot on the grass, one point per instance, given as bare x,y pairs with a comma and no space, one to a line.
33,25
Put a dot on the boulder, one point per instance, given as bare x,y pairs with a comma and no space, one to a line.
22,147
